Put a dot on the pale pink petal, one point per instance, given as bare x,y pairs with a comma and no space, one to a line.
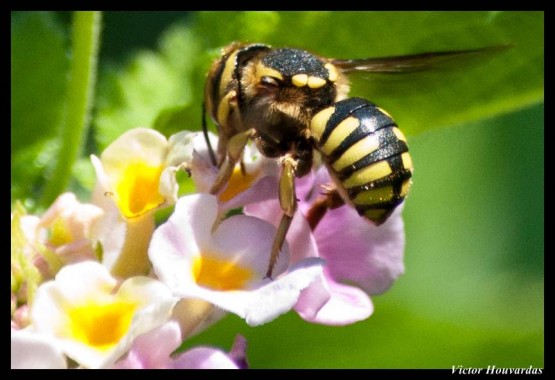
313,298
299,237
175,243
78,217
188,233
355,249
153,349
202,171
263,189
364,254
89,283
244,240
76,251
346,305
204,358
248,241
32,350
266,303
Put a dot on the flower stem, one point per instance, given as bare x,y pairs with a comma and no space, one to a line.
192,314
133,258
80,92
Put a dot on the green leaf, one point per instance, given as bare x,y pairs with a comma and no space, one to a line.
165,90
152,83
39,64
38,68
511,80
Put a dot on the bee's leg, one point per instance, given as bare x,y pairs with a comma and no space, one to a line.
234,150
329,200
288,203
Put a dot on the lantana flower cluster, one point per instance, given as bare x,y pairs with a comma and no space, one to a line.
108,284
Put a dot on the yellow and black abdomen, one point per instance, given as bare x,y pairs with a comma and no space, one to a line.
366,154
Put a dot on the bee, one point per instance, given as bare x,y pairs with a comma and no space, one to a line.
291,103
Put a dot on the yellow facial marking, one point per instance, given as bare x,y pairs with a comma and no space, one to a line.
224,108
219,274
319,121
358,150
373,196
332,72
299,80
316,82
263,71
407,161
227,73
340,133
368,174
399,134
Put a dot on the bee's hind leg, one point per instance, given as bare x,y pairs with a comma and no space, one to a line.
328,200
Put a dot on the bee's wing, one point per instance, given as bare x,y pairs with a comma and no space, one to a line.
415,62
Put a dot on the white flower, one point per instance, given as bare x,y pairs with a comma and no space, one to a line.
93,321
135,177
226,267
32,350
134,171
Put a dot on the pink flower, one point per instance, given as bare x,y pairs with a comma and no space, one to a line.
256,180
356,252
154,349
209,263
66,229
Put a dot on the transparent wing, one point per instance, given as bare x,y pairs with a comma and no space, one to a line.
417,62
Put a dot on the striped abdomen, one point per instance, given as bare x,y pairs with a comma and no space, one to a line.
366,154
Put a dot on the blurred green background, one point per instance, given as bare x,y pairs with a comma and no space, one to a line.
473,292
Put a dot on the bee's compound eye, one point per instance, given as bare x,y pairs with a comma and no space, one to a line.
269,81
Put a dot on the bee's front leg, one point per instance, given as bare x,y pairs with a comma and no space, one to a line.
288,203
234,152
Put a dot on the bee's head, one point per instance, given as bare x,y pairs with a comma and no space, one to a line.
288,83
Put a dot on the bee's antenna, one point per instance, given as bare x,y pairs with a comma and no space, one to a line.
205,133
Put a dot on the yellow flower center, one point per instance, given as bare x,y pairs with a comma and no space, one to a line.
59,233
101,325
238,183
138,190
220,274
